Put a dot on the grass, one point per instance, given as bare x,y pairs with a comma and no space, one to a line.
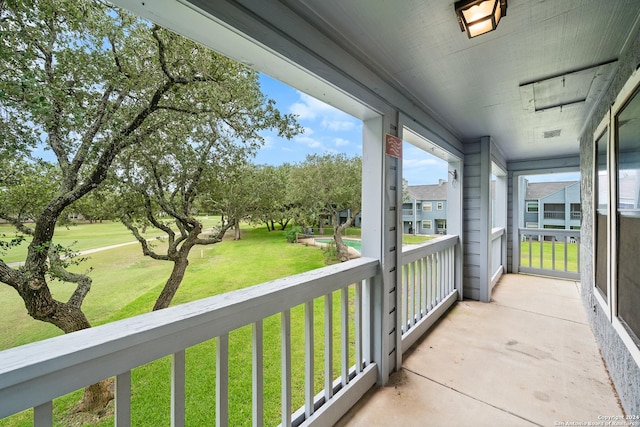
410,239
83,236
259,257
548,255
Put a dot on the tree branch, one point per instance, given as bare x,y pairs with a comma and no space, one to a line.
146,249
17,224
9,275
82,281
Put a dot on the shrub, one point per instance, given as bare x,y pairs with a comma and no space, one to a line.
293,233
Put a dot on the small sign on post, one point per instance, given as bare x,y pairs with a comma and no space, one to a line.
393,146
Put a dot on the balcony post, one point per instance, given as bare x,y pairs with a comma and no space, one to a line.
381,230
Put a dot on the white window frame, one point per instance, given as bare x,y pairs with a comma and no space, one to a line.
427,224
621,101
427,207
439,206
532,203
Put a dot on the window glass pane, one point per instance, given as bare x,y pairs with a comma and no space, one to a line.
628,230
602,200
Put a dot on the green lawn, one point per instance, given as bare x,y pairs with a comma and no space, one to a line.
548,255
410,239
83,236
125,284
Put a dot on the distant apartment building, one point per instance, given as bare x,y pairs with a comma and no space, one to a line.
424,210
552,205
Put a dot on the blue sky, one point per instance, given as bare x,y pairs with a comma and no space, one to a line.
329,130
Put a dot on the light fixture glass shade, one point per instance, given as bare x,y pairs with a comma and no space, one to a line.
478,17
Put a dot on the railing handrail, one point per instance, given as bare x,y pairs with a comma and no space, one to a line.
549,232
36,373
412,253
497,232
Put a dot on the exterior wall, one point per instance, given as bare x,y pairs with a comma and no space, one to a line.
472,205
623,369
419,215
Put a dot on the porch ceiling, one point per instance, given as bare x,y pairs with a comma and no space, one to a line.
531,84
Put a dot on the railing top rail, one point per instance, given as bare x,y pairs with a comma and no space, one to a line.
72,361
412,253
497,232
549,232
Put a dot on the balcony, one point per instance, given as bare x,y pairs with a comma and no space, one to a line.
31,376
554,215
527,358
530,360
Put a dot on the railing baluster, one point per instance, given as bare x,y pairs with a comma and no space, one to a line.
411,296
541,239
308,359
222,380
258,375
358,326
328,347
177,389
123,400
566,254
43,415
344,334
577,254
452,269
405,297
429,281
286,367
530,251
424,309
438,277
553,253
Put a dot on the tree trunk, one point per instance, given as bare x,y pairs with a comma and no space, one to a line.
268,229
236,227
341,249
96,397
41,306
171,287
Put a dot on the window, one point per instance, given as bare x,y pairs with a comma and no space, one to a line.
617,208
531,225
426,207
426,224
627,179
601,193
532,207
440,206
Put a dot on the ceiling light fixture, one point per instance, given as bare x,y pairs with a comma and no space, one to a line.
478,17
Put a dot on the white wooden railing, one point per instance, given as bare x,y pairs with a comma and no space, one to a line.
498,242
31,376
428,285
550,252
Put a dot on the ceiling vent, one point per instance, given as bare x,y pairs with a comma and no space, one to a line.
552,133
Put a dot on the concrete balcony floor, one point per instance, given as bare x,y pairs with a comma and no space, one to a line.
528,358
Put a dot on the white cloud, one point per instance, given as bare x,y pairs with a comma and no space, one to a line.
341,142
330,118
338,125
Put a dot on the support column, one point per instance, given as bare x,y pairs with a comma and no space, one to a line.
381,231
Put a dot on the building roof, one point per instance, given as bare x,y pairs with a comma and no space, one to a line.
539,190
428,192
